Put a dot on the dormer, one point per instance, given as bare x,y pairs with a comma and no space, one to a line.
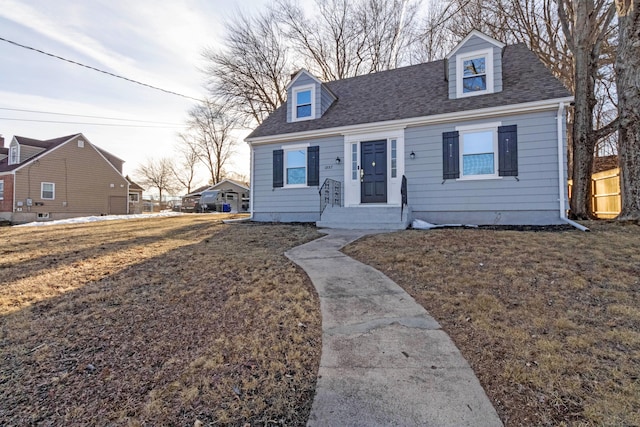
14,153
474,66
307,97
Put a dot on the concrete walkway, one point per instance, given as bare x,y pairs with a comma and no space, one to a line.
385,360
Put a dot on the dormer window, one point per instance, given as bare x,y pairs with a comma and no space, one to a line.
14,155
474,73
304,100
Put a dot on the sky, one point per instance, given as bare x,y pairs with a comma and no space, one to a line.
155,42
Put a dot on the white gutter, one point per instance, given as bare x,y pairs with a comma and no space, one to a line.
561,181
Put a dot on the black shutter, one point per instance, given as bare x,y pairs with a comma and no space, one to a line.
508,150
278,168
313,166
450,155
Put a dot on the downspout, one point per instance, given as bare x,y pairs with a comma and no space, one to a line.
252,179
561,180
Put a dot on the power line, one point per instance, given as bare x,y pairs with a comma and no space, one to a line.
98,70
94,124
89,117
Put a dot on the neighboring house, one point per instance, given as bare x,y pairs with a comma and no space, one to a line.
227,191
60,178
476,138
135,197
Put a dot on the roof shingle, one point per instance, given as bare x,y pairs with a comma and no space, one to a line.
420,91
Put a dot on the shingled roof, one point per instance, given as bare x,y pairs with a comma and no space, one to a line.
420,91
47,146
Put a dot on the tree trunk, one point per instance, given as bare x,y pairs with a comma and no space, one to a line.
585,68
628,88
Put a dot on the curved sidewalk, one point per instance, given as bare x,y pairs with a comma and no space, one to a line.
385,360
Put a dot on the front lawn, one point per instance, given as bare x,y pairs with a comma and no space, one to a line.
156,322
549,321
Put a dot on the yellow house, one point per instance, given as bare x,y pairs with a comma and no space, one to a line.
60,178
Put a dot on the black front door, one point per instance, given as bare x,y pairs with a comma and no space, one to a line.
373,177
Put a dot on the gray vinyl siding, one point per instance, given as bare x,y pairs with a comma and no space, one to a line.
473,44
534,195
27,152
304,80
326,99
293,204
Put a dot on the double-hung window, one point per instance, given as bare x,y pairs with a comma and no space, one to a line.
479,152
485,151
296,166
474,73
47,191
303,103
1,189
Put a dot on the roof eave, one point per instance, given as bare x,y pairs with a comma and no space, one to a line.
547,104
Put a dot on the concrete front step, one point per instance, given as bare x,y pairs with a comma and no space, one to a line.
365,218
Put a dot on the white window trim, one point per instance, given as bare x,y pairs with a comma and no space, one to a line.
294,104
493,127
17,150
488,54
288,148
136,198
1,189
42,184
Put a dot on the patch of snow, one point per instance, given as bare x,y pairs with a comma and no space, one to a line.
85,219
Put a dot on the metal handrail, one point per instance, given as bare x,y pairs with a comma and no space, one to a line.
330,193
403,193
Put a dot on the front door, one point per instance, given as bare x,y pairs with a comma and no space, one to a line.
373,176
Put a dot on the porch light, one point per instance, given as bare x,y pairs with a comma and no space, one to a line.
338,160
412,155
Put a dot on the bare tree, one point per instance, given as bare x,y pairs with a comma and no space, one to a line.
585,24
251,72
210,126
627,66
157,173
185,166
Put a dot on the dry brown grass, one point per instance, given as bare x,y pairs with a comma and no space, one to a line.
550,321
156,322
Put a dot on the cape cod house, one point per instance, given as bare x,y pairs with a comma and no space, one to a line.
476,138
60,178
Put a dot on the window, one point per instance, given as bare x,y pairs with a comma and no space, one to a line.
296,167
47,191
474,73
478,152
304,99
134,197
43,215
1,189
394,158
354,161
14,155
80,143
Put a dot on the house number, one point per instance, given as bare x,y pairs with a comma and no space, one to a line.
328,167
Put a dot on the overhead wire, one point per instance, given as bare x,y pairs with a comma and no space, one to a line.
88,117
93,124
97,69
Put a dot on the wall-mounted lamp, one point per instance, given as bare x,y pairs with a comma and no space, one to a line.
338,160
412,155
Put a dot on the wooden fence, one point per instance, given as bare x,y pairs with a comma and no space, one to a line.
605,193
